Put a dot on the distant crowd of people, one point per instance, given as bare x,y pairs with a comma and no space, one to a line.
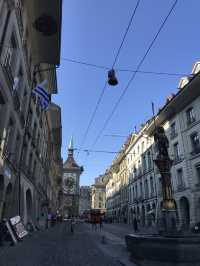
96,222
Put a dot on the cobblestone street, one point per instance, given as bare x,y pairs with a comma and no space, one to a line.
58,247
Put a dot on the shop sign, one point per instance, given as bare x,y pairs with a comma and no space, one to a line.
18,227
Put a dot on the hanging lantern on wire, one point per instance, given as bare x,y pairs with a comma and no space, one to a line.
112,80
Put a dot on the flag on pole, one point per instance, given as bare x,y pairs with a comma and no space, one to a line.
43,96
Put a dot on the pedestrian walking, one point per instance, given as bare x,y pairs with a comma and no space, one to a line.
94,223
135,225
72,225
100,223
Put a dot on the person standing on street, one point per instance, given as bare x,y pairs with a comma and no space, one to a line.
72,225
100,223
135,225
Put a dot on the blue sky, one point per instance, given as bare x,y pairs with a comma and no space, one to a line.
92,31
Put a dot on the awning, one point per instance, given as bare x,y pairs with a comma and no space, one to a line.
44,17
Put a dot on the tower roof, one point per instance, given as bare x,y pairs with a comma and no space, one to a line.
70,163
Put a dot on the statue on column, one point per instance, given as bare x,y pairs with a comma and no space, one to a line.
161,143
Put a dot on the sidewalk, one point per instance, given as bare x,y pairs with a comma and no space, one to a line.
122,229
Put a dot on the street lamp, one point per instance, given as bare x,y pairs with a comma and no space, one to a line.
112,80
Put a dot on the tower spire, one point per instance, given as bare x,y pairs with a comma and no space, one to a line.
71,144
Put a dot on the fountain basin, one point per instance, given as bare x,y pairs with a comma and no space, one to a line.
156,250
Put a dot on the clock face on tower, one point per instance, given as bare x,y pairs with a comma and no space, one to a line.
69,182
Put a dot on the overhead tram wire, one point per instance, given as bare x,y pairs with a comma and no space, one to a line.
105,85
126,32
135,73
103,151
84,63
116,136
161,73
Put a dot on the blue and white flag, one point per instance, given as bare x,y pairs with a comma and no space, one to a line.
43,96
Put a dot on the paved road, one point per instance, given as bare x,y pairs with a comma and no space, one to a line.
58,247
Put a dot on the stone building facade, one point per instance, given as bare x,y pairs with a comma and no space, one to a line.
30,138
180,117
98,193
84,199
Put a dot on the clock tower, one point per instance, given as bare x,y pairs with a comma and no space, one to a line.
71,184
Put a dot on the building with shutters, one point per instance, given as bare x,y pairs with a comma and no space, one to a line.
180,117
84,199
30,138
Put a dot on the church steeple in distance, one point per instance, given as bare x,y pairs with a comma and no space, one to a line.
71,147
71,183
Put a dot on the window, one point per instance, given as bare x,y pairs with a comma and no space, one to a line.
176,152
24,154
133,193
34,130
173,132
146,188
180,177
30,116
190,115
151,184
149,160
141,189
9,138
198,173
160,185
195,143
30,162
17,149
34,168
144,163
136,191
142,147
